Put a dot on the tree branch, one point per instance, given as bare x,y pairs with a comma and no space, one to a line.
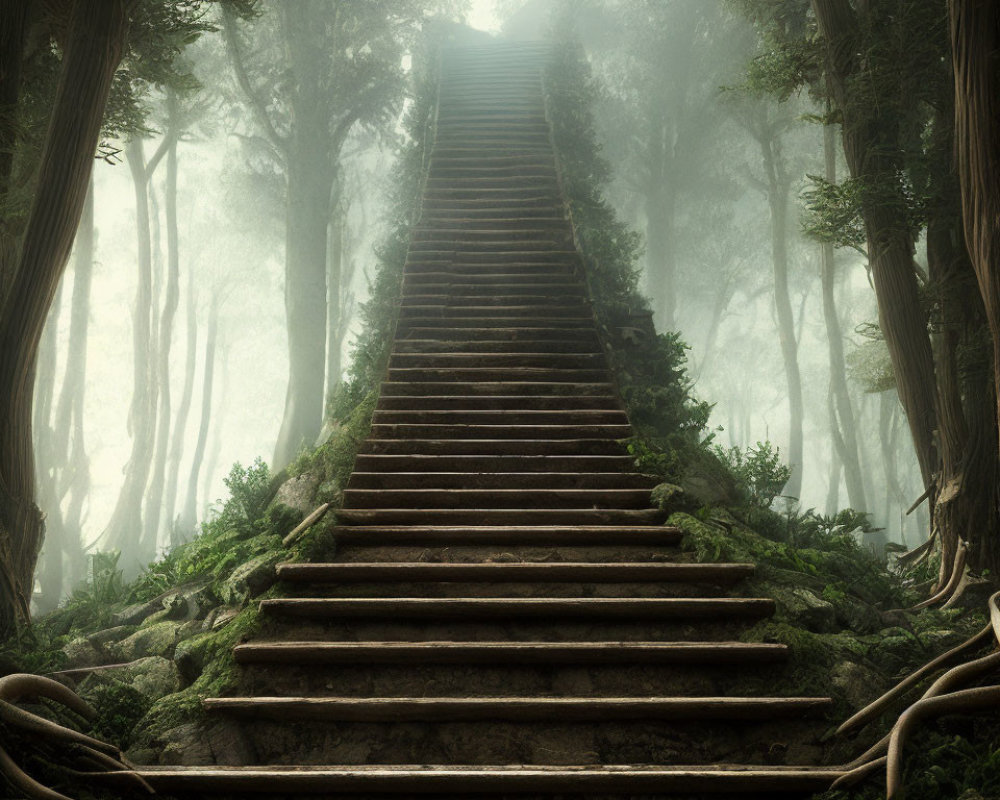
256,103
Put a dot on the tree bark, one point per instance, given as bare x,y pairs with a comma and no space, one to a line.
334,303
778,187
189,516
975,36
124,530
94,46
180,424
866,130
13,28
843,418
154,501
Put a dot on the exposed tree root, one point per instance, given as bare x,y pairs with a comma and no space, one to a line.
949,694
83,749
957,571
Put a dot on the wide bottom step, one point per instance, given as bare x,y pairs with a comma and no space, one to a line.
424,780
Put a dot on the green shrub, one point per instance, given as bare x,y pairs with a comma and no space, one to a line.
759,470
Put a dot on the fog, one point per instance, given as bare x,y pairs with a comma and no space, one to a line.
706,212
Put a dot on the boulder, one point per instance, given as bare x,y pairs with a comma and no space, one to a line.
185,746
153,677
299,492
252,578
158,639
805,609
859,684
136,613
82,653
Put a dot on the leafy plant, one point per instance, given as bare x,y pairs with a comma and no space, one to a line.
759,470
249,490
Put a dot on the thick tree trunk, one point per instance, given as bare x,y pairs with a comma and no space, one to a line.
13,22
975,35
778,187
843,420
334,302
866,130
124,530
93,49
180,424
189,516
154,501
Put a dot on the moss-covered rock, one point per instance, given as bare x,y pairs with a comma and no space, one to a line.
158,639
252,578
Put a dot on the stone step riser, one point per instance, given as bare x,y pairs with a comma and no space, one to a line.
444,345
500,480
494,388
521,417
498,516
491,743
495,360
356,550
657,536
496,498
493,462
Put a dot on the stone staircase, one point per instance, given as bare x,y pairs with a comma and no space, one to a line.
508,615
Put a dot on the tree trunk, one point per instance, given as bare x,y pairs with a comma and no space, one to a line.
94,46
13,21
154,502
843,420
975,36
334,292
866,129
778,187
189,516
180,424
124,531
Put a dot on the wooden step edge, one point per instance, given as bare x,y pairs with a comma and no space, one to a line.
509,653
411,780
552,710
651,572
466,608
506,536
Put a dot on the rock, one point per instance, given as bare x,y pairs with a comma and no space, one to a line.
188,661
186,746
82,653
857,615
668,496
154,676
154,640
809,611
229,745
299,492
110,635
252,578
858,684
137,613
224,617
190,602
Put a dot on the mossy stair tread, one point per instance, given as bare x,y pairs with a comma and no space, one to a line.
499,480
509,653
589,608
551,710
515,571
508,535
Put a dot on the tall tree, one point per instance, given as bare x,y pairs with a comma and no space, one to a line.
124,529
975,39
339,66
93,47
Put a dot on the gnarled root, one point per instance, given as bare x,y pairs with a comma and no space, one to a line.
946,695
83,748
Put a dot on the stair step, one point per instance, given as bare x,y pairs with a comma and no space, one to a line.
492,463
515,572
461,781
513,653
507,535
588,345
460,499
499,516
455,360
520,608
401,388
491,447
455,375
578,416
518,431
500,480
517,709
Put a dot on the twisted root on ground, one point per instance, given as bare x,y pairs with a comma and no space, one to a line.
949,694
83,749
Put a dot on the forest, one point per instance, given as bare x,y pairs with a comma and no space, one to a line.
575,398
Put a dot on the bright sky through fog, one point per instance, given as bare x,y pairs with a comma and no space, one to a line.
482,15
